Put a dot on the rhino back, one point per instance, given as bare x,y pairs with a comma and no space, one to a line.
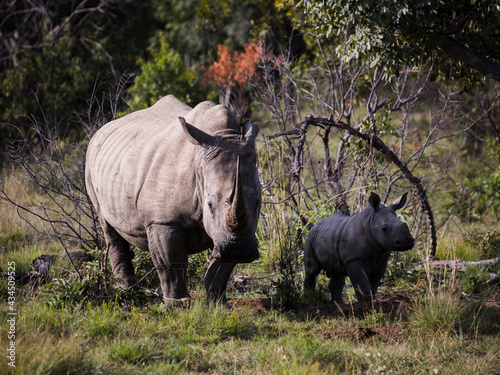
339,239
326,240
140,168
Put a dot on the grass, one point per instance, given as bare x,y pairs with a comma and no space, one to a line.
437,332
88,339
434,331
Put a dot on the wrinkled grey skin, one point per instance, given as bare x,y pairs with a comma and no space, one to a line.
165,179
357,246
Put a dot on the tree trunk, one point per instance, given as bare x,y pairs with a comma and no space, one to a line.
335,176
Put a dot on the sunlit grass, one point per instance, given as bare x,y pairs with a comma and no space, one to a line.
212,339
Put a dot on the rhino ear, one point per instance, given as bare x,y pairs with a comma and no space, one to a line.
399,203
374,201
195,135
250,130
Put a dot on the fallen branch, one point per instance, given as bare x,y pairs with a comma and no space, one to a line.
41,266
462,265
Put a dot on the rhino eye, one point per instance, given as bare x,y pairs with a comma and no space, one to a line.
386,228
211,206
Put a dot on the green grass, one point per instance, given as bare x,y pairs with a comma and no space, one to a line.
436,333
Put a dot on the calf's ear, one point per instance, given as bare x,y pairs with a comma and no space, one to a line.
250,130
399,203
374,201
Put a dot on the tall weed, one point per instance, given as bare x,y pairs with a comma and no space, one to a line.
283,257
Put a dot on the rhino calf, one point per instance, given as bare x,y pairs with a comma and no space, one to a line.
357,246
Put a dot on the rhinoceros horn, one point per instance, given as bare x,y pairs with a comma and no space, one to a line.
237,216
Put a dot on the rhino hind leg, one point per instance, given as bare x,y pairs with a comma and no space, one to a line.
216,279
310,279
120,256
312,268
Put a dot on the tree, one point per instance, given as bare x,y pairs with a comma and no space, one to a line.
54,55
233,73
165,73
380,144
461,40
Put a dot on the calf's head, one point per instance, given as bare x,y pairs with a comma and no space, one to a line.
387,230
230,190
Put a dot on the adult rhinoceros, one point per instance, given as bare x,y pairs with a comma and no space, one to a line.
175,180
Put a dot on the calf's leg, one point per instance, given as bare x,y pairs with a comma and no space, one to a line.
378,273
312,268
336,286
359,278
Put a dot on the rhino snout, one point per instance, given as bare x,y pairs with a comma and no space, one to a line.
405,244
237,251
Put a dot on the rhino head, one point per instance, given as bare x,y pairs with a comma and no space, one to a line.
230,191
388,231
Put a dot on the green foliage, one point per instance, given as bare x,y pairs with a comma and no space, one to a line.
283,253
483,190
285,285
143,264
55,78
474,280
163,74
402,276
70,290
488,243
391,34
56,57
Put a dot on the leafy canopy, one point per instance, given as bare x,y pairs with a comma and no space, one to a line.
461,40
164,73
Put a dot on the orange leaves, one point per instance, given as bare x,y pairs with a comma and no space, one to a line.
233,70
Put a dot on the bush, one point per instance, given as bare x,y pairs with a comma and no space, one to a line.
487,242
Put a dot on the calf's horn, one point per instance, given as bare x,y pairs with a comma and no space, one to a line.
237,216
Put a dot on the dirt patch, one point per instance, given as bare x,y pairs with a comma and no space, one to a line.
262,305
377,332
395,305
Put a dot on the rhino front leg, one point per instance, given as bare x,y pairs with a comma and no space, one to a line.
167,247
216,279
360,281
377,275
336,286
120,256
